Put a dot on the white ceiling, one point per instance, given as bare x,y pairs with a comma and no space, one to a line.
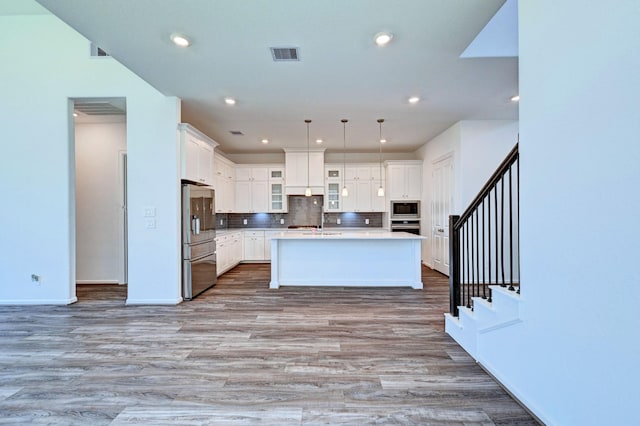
341,74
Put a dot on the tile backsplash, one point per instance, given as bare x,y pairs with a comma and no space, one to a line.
303,211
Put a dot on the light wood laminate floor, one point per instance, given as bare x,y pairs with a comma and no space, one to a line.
242,354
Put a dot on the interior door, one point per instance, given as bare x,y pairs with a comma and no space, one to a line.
441,204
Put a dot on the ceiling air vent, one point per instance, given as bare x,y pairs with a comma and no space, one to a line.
285,54
236,132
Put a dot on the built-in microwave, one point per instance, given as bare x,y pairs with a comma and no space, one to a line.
405,209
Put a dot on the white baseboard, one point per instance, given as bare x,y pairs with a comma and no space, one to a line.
153,301
97,282
39,301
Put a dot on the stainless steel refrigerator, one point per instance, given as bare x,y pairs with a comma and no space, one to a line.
198,240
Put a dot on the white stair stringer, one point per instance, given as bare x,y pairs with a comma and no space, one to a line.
467,329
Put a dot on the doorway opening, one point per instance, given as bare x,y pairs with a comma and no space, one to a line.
100,144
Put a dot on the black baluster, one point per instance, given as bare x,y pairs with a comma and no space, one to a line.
518,206
502,231
484,283
468,262
489,239
511,288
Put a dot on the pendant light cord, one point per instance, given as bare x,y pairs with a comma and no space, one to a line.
344,152
308,161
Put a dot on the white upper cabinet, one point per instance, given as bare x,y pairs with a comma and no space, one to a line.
252,193
252,173
362,182
302,168
196,155
404,179
224,184
277,197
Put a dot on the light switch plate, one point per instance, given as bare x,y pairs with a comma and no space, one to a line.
149,212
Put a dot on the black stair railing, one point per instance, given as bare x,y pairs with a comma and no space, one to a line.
484,241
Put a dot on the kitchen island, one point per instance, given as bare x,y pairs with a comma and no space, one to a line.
346,259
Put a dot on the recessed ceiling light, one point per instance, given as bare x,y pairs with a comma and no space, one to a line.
265,141
414,100
515,98
383,38
229,101
319,141
383,141
180,40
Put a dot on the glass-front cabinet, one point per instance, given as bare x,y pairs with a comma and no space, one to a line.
333,197
277,197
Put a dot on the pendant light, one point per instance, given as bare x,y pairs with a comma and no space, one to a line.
381,189
307,192
345,191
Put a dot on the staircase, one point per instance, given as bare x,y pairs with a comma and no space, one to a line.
484,276
467,329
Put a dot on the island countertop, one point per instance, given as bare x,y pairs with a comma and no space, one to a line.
338,235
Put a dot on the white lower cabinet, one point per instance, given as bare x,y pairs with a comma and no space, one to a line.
253,245
228,251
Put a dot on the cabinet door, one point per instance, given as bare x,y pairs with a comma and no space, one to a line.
230,194
276,197
220,186
243,174
378,204
350,202
332,203
192,152
243,197
260,197
396,182
413,181
254,246
363,196
205,163
260,173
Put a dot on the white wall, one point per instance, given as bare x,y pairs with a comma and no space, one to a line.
484,144
477,148
574,359
44,63
99,195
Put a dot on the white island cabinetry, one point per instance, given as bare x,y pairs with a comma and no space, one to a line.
353,259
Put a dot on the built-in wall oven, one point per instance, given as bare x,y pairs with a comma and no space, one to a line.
405,209
411,226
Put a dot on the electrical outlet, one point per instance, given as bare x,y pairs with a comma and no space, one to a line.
281,221
221,221
150,223
366,221
244,221
338,221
